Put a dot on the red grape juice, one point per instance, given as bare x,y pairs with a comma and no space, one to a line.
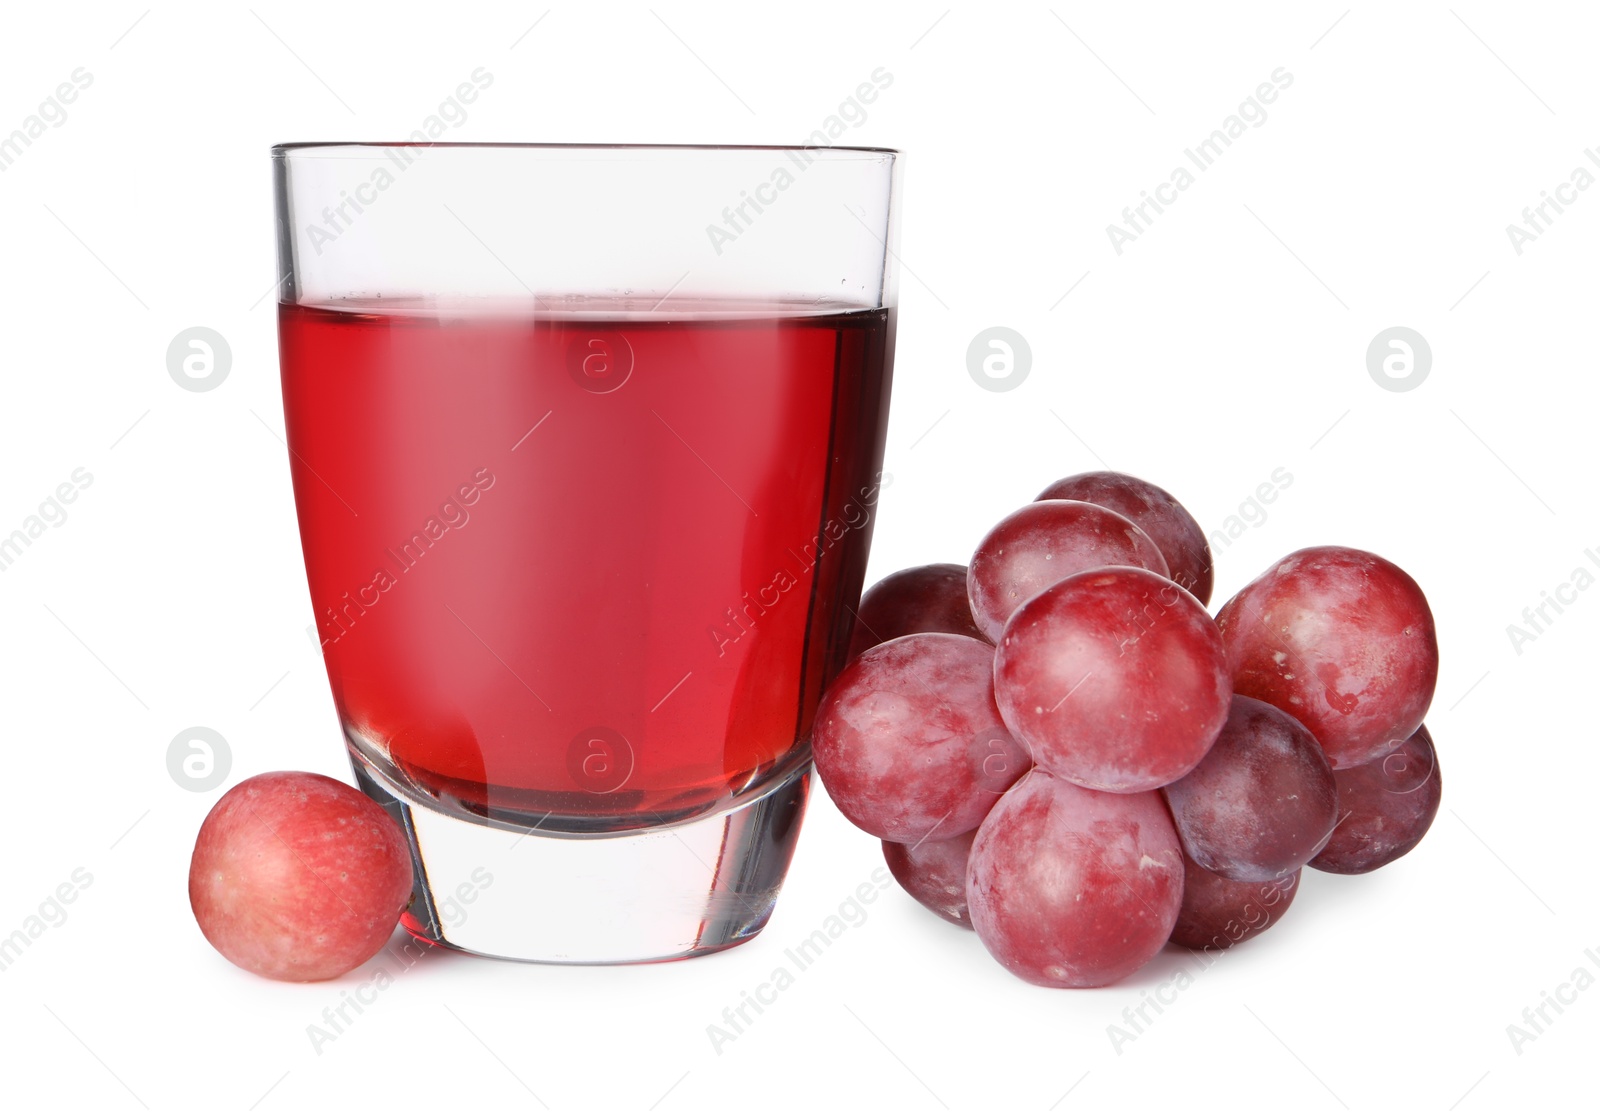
592,565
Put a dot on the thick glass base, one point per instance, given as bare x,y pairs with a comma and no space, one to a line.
679,890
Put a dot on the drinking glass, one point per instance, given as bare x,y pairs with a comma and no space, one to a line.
586,446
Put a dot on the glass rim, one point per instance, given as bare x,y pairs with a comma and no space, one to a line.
310,147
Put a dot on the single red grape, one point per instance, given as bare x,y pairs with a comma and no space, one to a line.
298,877
931,599
1114,678
934,873
1261,803
1219,913
1340,639
1043,543
1385,806
1072,888
1176,533
908,741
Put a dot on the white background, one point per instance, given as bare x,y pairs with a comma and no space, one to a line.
1227,341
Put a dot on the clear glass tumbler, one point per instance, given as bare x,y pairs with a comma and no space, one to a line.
586,445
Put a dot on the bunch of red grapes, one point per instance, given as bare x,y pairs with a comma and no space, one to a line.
1062,750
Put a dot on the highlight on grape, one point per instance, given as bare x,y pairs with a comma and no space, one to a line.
1173,772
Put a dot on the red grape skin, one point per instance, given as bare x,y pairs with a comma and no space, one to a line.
908,741
1114,678
1176,533
1042,543
934,873
1262,801
1387,807
1343,641
931,599
1220,913
1072,888
298,877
